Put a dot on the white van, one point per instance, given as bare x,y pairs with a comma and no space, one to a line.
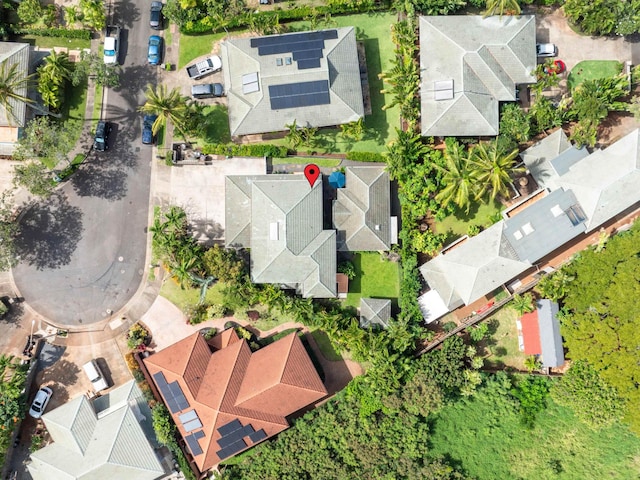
95,376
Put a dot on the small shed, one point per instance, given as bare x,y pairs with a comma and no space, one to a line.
375,312
540,332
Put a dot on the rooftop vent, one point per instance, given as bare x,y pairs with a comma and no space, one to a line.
274,231
517,234
377,227
443,90
556,210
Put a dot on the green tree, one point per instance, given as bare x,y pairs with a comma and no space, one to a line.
458,177
93,66
168,106
438,7
353,130
531,392
544,115
224,264
30,11
13,89
514,123
493,169
93,14
555,285
164,427
478,332
35,177
594,17
500,7
8,231
593,401
522,303
348,268
46,140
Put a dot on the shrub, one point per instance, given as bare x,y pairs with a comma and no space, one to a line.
365,157
210,333
245,150
137,336
348,268
55,32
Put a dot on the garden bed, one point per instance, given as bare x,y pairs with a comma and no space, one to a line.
591,70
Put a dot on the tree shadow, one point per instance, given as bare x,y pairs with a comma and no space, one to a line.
125,13
216,121
49,233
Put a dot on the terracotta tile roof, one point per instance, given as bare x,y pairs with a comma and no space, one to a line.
223,381
531,333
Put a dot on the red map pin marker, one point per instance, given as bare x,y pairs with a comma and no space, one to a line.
312,172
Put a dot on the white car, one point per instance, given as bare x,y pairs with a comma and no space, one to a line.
546,50
39,403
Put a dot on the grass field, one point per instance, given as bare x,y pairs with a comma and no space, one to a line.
501,345
50,42
189,296
375,277
591,70
194,46
480,214
489,443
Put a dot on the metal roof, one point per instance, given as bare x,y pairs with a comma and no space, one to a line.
484,59
375,312
550,338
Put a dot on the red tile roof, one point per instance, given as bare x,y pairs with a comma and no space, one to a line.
531,333
223,381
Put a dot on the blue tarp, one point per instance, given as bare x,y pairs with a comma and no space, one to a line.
337,180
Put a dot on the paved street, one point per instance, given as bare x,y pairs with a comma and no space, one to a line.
83,251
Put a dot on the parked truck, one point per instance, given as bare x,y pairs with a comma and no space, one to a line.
205,67
111,44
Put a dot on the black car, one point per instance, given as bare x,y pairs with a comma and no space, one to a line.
207,90
100,141
155,19
147,128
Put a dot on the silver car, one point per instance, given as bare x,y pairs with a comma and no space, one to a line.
546,50
39,403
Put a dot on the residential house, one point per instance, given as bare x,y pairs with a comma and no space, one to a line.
280,218
362,211
11,123
106,438
224,398
580,192
312,78
539,334
468,65
375,312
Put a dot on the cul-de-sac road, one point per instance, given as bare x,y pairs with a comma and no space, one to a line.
83,251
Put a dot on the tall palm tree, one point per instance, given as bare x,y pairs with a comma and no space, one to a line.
13,89
501,6
168,106
493,168
458,177
58,66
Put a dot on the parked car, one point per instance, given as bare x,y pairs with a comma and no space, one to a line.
101,139
95,375
147,128
207,90
154,52
155,18
39,403
546,50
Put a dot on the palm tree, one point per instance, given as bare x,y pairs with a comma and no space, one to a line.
458,177
58,66
522,303
13,89
171,106
501,6
493,168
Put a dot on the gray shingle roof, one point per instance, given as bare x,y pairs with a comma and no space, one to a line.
375,312
362,211
115,439
550,338
15,53
280,218
248,111
485,59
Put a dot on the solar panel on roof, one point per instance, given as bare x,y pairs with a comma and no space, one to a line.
166,392
178,395
229,427
231,449
257,436
198,434
192,425
194,446
306,64
304,94
187,417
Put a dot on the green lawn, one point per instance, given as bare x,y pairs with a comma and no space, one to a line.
480,214
194,46
325,346
592,69
375,278
500,347
50,42
489,443
189,296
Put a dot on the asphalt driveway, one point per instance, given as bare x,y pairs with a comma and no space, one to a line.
83,251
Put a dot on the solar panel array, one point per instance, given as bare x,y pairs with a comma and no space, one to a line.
306,47
301,94
192,441
172,393
232,438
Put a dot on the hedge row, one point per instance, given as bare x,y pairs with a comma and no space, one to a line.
55,32
204,25
233,150
365,157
